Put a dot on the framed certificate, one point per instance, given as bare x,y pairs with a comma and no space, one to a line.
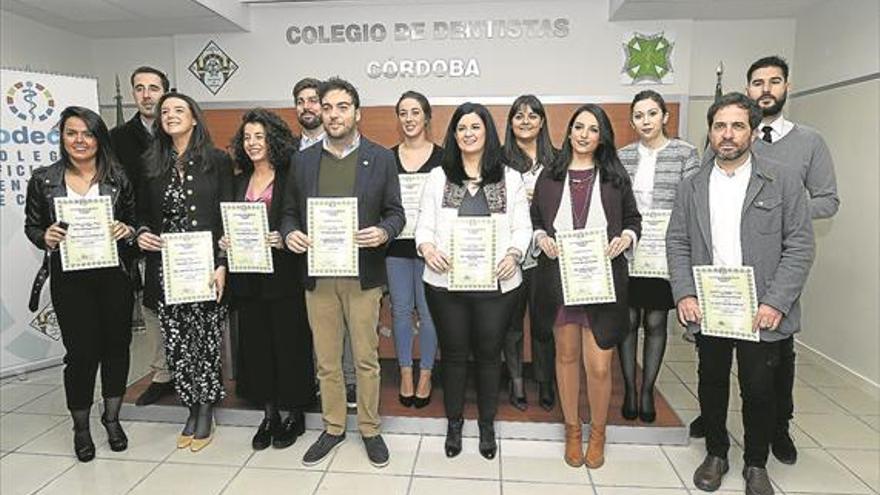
472,254
89,242
727,300
187,267
411,186
584,268
247,227
332,224
649,259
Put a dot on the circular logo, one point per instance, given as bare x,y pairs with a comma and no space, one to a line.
30,100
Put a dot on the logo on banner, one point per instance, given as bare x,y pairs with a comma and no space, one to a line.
46,322
647,58
213,67
30,101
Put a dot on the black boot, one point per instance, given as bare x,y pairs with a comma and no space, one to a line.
83,445
647,412
518,394
488,445
453,436
110,419
546,395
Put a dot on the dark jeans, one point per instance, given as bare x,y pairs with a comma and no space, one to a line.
469,321
93,308
785,385
757,363
543,348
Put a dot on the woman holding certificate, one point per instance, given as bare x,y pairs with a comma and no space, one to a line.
180,226
78,211
415,157
656,165
473,230
585,217
275,366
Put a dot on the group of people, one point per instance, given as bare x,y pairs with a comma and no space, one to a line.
748,203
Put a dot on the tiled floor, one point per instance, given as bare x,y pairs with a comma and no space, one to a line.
836,427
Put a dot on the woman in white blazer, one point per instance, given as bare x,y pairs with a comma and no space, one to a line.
472,182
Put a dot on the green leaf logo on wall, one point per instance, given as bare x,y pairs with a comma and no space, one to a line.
213,67
647,58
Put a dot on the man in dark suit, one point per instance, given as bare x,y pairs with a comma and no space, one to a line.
130,141
346,165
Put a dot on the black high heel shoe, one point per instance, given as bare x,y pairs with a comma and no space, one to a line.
406,401
546,396
453,436
518,394
83,446
629,410
647,413
488,445
421,402
115,435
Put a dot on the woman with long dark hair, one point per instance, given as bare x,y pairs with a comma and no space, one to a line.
587,187
186,180
472,182
656,165
93,306
275,366
416,154
528,150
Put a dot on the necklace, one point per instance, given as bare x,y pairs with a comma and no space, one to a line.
576,183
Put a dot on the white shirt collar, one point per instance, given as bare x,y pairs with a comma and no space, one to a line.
355,143
305,141
744,169
778,128
147,127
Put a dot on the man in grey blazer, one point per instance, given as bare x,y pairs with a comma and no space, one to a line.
741,210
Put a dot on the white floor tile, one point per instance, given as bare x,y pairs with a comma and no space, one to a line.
635,465
864,463
809,400
838,431
17,393
54,402
678,396
146,441
618,490
362,484
873,420
185,479
536,461
685,371
735,429
17,429
47,376
820,376
291,457
854,400
269,481
815,471
667,375
231,446
687,459
680,353
432,460
352,456
99,477
448,486
25,473
59,439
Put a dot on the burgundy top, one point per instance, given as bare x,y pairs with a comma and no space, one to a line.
263,197
580,184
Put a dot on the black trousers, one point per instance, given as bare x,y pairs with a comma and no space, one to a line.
543,347
785,385
757,364
93,308
470,322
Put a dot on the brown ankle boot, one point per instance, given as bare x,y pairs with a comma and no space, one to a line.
595,455
574,439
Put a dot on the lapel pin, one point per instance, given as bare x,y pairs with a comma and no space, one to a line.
365,163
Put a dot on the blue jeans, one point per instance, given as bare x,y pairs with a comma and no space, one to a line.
408,293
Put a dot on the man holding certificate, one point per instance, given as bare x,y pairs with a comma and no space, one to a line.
341,206
739,249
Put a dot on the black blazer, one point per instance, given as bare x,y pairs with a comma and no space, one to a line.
287,280
130,141
378,193
610,321
207,182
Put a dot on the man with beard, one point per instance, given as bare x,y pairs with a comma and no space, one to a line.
345,164
130,141
742,210
803,149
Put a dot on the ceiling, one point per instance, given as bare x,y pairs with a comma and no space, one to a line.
638,10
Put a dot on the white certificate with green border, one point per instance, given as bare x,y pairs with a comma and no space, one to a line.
411,187
728,301
472,255
246,226
89,242
188,267
584,268
649,258
332,225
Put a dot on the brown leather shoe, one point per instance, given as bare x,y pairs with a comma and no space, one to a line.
595,455
574,440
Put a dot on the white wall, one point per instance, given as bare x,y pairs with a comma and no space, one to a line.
841,316
28,44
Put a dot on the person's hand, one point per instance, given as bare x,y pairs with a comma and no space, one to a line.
548,246
767,318
689,311
274,239
120,230
618,245
219,281
371,237
435,259
148,241
223,243
54,234
507,267
298,242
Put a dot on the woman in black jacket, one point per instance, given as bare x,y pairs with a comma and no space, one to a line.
186,180
275,365
93,306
